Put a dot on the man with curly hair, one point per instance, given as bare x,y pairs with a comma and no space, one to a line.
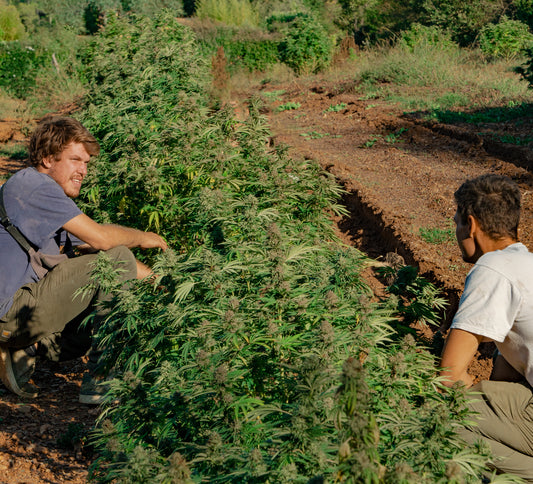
496,305
41,306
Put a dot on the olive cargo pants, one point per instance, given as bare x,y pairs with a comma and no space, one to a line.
50,311
505,423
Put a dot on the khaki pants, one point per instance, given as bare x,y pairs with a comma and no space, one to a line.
505,423
49,311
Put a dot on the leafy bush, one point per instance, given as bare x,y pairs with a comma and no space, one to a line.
506,39
11,27
151,8
464,20
526,70
420,35
247,48
18,67
522,10
230,12
229,366
305,47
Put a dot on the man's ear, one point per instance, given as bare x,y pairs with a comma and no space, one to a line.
473,225
47,162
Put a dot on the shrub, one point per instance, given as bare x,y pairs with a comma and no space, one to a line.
305,46
11,27
464,20
152,8
247,48
423,64
420,35
228,368
522,10
507,39
18,67
230,12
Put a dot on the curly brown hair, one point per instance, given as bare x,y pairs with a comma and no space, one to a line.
53,134
494,200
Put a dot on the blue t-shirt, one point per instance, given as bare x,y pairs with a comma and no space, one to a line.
38,207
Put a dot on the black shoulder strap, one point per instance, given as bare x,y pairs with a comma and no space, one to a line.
14,231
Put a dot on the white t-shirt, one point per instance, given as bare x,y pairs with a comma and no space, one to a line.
497,302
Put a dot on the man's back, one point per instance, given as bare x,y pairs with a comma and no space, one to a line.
497,303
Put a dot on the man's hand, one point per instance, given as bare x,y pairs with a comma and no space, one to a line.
153,241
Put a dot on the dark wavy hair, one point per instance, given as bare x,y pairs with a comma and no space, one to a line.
494,200
53,134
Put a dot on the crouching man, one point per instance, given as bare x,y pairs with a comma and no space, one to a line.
496,305
40,310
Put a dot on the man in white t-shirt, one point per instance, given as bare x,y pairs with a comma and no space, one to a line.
496,305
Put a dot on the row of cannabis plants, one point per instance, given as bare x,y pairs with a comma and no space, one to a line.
257,355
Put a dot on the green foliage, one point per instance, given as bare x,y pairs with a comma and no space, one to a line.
522,10
14,151
151,8
18,67
335,108
228,366
417,299
289,106
501,114
305,47
75,435
463,20
395,136
140,122
435,235
418,36
247,48
507,39
376,19
63,13
420,64
11,27
230,12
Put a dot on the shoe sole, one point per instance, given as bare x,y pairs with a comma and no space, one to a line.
8,377
91,399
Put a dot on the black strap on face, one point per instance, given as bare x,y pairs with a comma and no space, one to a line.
14,231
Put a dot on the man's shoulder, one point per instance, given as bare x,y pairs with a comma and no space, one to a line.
29,180
514,259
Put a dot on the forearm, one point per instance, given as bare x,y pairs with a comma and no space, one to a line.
143,271
107,236
458,352
115,235
450,378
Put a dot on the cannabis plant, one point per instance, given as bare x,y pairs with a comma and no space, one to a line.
256,355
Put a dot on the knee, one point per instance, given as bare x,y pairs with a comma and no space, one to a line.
124,261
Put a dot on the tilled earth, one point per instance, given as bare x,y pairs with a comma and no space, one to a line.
399,172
